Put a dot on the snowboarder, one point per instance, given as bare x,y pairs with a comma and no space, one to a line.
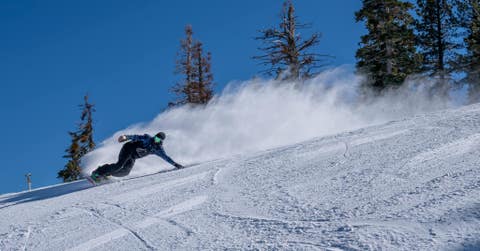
139,146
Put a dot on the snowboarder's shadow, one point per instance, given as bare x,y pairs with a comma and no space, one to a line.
43,193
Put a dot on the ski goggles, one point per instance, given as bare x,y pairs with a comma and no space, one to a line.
157,139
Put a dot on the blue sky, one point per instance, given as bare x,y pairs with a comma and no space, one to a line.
122,53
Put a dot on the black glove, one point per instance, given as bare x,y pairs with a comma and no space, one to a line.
178,165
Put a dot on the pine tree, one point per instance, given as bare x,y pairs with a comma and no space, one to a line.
287,54
72,169
203,85
184,66
87,143
82,143
436,29
470,62
387,54
196,87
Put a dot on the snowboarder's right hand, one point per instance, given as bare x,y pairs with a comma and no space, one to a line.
122,138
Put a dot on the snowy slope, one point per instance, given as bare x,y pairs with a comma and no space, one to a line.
405,185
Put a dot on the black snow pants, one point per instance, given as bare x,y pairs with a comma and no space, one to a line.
125,162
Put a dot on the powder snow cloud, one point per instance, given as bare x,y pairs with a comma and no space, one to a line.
259,114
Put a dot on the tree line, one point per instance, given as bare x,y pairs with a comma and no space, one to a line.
438,39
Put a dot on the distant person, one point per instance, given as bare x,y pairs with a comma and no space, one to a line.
139,146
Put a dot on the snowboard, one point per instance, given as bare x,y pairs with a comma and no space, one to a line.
109,179
97,183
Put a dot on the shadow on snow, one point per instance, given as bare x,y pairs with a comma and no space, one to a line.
43,193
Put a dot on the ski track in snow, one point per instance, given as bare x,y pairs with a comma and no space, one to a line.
412,184
27,236
146,191
120,232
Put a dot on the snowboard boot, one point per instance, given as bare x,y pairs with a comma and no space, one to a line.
95,177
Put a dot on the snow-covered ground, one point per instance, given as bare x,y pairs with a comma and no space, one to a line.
412,184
